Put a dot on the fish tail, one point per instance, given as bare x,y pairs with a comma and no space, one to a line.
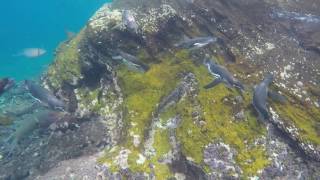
16,55
265,114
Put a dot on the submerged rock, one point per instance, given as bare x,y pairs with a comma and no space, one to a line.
5,120
220,158
161,124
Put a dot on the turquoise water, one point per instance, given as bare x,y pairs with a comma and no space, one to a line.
40,24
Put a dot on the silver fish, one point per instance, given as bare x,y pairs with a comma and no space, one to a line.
32,52
44,95
131,61
295,16
196,43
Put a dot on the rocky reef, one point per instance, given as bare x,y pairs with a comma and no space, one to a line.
162,123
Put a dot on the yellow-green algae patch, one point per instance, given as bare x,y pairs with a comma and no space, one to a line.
66,66
220,125
252,160
88,99
305,119
143,91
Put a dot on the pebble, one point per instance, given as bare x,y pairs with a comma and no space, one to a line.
299,84
239,99
240,115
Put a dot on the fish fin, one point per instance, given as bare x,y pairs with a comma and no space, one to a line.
277,97
239,85
116,57
213,83
40,103
199,45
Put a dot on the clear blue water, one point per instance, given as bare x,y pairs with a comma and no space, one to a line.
38,23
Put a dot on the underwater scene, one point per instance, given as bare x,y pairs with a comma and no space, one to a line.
160,89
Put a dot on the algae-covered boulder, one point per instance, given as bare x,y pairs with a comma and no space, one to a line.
162,123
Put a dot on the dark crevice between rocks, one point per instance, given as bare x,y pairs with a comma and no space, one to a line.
92,72
180,163
294,144
315,49
189,169
68,93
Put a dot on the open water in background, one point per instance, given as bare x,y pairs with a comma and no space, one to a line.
41,24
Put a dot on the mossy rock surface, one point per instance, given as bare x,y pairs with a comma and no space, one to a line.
207,117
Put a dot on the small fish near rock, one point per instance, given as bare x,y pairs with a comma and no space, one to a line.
44,96
130,61
32,52
196,43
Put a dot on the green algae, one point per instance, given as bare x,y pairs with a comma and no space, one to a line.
167,114
303,116
135,166
89,98
142,93
162,147
108,158
152,164
220,124
66,66
252,160
305,119
161,142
